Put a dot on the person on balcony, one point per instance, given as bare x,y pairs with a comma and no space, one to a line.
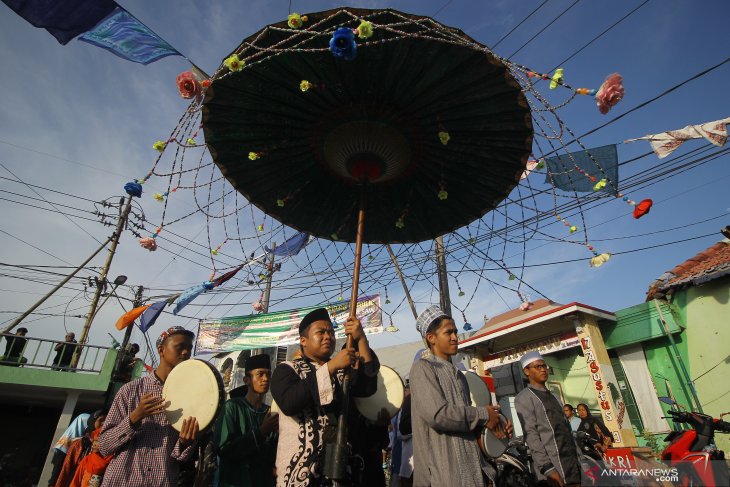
65,352
14,347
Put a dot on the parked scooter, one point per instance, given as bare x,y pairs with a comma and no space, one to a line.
514,466
693,452
593,466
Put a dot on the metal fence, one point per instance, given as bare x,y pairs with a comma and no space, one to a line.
22,351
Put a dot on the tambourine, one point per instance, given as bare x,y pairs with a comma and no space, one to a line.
389,396
489,444
193,388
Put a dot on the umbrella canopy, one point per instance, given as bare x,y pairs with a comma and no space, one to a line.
431,119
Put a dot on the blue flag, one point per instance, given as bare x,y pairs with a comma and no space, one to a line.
63,19
292,246
122,34
187,296
151,314
562,172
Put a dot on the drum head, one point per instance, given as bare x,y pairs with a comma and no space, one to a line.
193,388
478,390
389,395
491,445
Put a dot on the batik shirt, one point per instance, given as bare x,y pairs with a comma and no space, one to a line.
145,456
310,400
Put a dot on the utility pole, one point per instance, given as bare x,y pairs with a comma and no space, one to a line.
20,318
445,300
128,331
402,281
124,213
269,275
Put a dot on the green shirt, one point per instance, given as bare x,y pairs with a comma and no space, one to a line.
245,457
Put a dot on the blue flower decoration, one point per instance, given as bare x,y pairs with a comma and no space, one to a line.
343,44
133,189
467,326
208,285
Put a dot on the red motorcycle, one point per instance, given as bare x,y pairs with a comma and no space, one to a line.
693,452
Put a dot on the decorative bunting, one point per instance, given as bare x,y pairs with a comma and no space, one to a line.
127,318
125,36
150,315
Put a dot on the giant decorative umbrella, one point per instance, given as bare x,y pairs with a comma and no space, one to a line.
328,117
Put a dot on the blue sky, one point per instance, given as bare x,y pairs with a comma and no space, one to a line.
80,121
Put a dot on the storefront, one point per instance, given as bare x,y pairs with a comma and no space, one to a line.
582,369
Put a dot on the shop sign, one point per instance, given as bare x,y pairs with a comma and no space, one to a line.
545,346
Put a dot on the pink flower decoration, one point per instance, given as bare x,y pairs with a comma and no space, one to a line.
257,306
188,85
148,243
525,305
610,93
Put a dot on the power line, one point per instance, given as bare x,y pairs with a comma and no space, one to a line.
544,28
521,22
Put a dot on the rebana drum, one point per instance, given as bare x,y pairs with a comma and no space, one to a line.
490,445
389,395
193,388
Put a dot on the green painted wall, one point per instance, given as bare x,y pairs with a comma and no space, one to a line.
637,324
707,311
571,371
60,379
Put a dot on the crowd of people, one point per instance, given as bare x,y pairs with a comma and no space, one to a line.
431,442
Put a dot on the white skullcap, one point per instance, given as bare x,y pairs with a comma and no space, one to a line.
530,357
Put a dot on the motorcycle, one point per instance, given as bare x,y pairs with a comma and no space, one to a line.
592,464
693,452
514,466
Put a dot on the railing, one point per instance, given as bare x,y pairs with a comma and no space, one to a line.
21,351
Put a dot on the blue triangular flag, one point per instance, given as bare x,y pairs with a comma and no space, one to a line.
292,246
63,19
187,296
151,314
122,34
599,163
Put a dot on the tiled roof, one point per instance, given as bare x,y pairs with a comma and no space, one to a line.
707,265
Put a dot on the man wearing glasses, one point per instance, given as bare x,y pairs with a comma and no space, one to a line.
547,432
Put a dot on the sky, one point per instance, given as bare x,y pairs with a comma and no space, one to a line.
77,123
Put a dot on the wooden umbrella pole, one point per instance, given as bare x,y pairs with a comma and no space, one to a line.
336,456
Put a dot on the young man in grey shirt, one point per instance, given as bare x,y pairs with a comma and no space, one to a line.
547,431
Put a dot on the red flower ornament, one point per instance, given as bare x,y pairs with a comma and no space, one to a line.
642,208
188,85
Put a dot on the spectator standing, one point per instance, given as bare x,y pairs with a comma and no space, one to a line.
571,417
14,347
64,352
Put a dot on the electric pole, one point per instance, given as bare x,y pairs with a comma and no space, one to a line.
445,300
121,222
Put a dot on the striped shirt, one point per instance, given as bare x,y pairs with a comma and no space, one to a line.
145,456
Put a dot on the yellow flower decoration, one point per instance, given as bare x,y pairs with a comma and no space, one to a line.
556,79
158,197
159,146
305,85
295,20
573,229
399,223
214,251
599,260
444,137
253,155
443,195
600,185
334,236
365,29
233,63
260,228
280,203
190,141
